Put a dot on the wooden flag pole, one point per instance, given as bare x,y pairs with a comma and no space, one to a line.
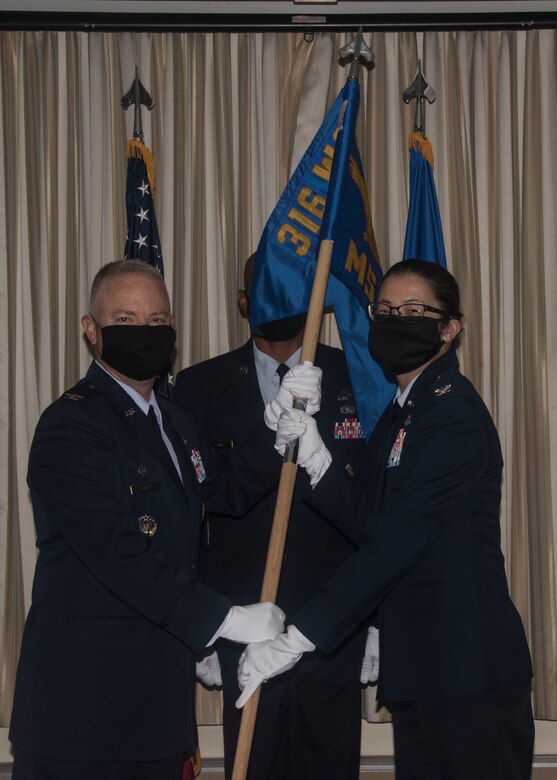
284,502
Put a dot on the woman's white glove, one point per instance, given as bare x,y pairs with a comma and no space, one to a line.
313,456
262,660
301,381
207,670
253,623
370,664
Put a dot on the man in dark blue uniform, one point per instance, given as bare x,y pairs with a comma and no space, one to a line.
105,685
308,723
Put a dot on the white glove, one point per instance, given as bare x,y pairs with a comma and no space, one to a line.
207,670
313,456
254,623
301,381
370,664
272,412
263,660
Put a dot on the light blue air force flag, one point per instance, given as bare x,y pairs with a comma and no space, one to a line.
326,198
424,234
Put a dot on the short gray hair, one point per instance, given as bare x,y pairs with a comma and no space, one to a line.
120,269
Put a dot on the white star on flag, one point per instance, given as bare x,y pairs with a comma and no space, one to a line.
141,241
143,214
144,188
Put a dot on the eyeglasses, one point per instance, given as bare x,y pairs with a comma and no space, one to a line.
379,312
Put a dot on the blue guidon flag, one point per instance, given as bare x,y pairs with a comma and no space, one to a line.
326,198
424,233
142,239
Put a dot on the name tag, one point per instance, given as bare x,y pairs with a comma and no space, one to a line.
223,445
145,487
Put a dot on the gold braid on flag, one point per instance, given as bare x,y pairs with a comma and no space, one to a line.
136,148
419,143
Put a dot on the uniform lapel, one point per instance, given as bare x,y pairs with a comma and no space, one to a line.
137,424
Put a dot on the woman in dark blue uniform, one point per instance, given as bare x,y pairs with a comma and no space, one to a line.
455,665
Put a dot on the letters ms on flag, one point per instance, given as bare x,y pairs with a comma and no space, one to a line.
326,198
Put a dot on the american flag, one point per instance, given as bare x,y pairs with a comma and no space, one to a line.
142,239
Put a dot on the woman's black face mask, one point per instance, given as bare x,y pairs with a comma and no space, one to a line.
400,345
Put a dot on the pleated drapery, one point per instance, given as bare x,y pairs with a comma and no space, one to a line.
233,115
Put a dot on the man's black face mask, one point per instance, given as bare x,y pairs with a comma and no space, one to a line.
139,352
283,330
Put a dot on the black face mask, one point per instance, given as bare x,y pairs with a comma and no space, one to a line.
283,330
400,347
138,351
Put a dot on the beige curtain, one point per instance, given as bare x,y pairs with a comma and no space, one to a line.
233,115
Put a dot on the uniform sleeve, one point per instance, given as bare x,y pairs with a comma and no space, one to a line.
79,493
440,472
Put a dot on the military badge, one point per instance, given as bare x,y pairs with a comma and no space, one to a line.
147,525
396,451
198,465
348,429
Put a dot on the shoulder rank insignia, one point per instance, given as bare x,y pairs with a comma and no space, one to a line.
348,429
73,396
443,390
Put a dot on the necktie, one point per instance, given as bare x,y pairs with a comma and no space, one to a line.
157,438
282,369
161,450
397,410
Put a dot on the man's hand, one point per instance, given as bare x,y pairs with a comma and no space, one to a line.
301,381
207,670
313,456
370,664
263,660
253,623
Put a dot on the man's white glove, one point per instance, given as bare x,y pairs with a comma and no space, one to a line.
370,664
313,456
207,670
253,623
263,660
301,381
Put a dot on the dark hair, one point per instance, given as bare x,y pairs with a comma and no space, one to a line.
443,285
121,269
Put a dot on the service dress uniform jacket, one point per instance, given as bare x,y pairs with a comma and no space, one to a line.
224,397
118,615
429,553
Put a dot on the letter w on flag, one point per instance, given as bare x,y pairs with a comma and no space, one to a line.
326,198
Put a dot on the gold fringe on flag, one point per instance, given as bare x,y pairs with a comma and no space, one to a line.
197,763
136,148
419,143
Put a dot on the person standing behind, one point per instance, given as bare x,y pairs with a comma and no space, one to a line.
106,677
309,722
